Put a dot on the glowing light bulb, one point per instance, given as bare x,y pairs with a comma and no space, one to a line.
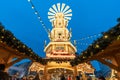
32,7
38,17
118,37
106,36
35,12
97,46
99,34
40,21
2,37
28,0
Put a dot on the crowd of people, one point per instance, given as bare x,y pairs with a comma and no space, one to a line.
5,76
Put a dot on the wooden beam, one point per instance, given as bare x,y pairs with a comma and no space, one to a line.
109,52
10,50
117,59
108,64
13,62
6,59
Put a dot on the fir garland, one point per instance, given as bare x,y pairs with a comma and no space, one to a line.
9,39
99,45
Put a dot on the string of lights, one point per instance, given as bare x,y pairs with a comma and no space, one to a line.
80,49
86,41
38,15
82,46
89,37
83,43
99,45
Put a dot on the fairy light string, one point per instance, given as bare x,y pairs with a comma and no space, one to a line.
38,15
83,43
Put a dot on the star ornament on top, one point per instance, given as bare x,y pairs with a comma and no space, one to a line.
57,9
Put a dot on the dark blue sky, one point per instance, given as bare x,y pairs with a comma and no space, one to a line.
90,17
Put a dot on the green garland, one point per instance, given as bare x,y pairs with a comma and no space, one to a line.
8,38
99,45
